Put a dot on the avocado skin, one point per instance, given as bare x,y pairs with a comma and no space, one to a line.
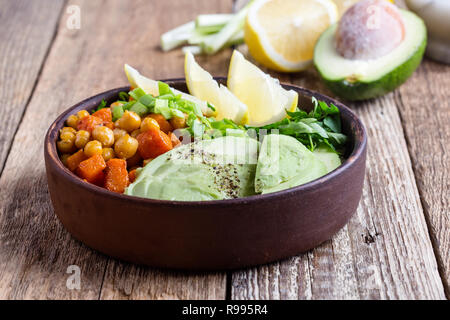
355,91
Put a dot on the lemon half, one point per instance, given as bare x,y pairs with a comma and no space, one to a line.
281,34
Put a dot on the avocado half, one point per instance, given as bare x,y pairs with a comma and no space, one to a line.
365,79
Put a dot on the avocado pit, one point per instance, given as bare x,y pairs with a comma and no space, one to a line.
370,29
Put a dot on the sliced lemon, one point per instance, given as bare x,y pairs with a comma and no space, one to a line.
265,98
281,34
150,86
202,85
136,80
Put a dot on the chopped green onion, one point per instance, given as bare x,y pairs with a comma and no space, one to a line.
177,36
192,49
139,108
128,105
137,93
162,107
212,20
148,100
236,24
117,112
177,113
164,88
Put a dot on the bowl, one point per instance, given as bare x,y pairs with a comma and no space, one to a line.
208,235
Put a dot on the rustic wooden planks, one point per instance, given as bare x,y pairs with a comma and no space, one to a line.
35,251
424,106
26,29
384,252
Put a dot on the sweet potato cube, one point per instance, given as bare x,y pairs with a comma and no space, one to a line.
132,175
74,160
104,114
92,169
116,179
89,123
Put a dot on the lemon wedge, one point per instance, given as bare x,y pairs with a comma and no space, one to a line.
265,98
281,34
202,85
150,86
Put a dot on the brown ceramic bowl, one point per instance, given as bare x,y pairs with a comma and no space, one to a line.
211,235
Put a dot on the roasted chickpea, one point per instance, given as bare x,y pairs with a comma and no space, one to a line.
129,122
72,121
67,136
92,148
82,138
64,158
115,104
68,129
65,146
149,124
135,133
82,113
178,123
108,154
118,133
104,135
126,147
146,161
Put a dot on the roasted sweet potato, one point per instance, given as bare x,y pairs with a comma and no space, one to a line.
153,143
74,160
92,169
104,114
89,123
132,175
116,178
175,141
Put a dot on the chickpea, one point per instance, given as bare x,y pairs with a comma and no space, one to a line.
65,146
82,138
104,135
64,158
126,147
68,129
72,121
146,161
149,124
92,148
178,123
129,122
67,136
118,133
82,113
135,133
115,104
108,154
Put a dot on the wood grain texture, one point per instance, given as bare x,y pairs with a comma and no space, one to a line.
424,106
384,252
26,30
35,250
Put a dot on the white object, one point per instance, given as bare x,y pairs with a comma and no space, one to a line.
436,14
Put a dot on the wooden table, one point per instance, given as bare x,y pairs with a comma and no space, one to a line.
396,246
